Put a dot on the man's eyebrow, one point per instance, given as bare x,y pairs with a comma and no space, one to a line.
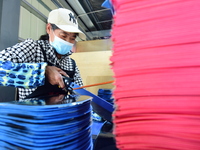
63,32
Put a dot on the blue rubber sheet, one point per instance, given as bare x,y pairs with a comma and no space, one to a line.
45,127
99,105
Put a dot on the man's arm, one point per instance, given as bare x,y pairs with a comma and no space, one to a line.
22,75
29,75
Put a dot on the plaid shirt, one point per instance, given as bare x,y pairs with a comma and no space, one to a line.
29,51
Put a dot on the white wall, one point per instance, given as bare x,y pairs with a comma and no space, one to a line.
31,26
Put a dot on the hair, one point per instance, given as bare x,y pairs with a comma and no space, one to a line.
54,27
46,36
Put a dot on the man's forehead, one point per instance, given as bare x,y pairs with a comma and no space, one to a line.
69,33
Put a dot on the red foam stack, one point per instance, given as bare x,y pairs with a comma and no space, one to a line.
156,62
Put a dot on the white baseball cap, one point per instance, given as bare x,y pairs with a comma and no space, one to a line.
65,20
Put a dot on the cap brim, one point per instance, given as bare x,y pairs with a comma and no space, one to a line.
72,29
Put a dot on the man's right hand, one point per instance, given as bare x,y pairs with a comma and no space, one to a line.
54,76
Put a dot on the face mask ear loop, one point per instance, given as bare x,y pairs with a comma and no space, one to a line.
53,34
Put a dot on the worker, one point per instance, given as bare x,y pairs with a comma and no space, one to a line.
49,56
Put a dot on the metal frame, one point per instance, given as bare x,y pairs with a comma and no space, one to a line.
9,30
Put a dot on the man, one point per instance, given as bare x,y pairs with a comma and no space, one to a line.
62,29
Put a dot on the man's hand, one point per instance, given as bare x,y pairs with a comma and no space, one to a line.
54,76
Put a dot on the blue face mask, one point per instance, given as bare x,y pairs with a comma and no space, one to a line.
61,46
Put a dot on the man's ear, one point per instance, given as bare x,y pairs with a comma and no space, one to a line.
48,28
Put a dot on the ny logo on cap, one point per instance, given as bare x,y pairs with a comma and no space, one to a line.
72,18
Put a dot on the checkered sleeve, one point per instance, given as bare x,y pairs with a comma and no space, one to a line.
22,75
23,52
77,77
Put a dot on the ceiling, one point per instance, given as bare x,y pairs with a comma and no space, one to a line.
94,19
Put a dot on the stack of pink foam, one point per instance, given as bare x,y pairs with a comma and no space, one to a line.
156,62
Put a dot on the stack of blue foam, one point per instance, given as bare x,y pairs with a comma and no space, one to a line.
106,94
32,124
